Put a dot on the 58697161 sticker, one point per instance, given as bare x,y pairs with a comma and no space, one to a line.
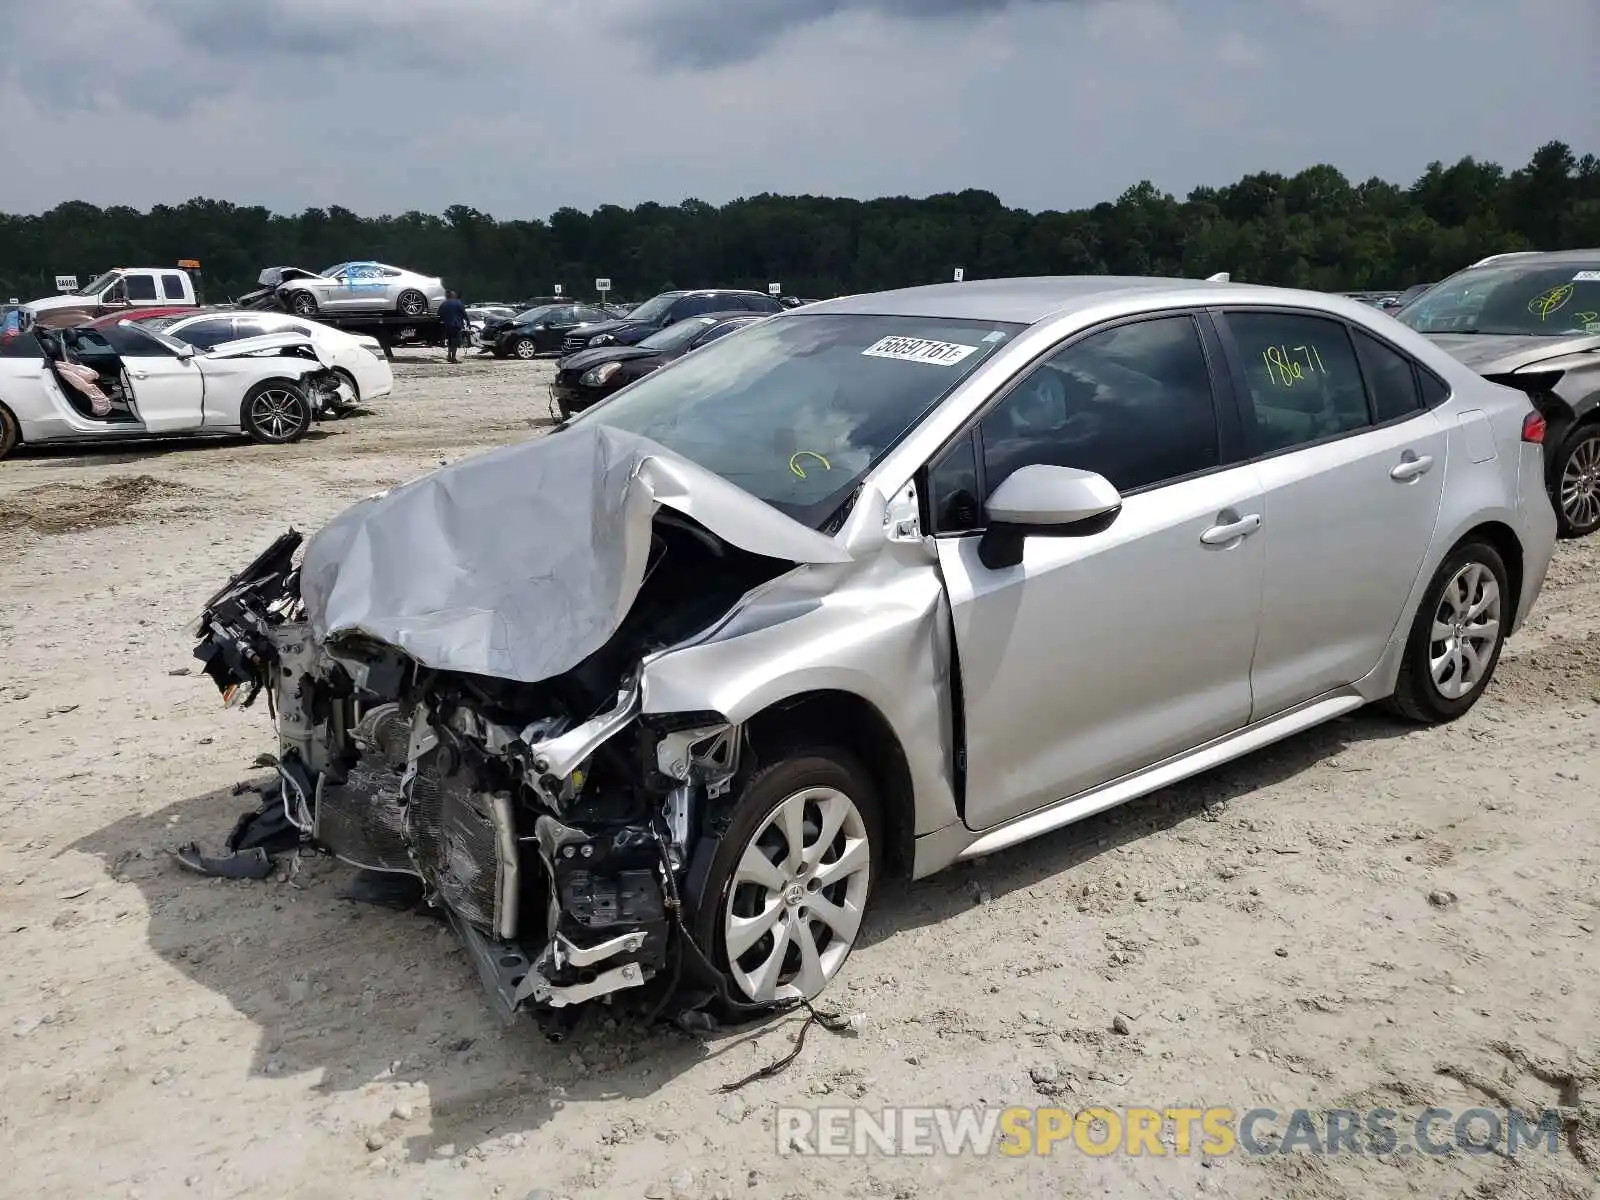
910,349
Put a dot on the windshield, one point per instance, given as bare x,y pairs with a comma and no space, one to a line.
97,286
676,337
1520,299
796,410
653,310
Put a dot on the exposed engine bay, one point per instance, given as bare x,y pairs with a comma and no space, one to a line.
555,826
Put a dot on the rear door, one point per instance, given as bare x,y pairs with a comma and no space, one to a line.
168,390
1353,470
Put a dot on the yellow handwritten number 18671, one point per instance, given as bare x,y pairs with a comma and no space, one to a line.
1283,364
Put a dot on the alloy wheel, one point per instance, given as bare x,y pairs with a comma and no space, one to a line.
413,304
1580,483
1466,630
526,348
277,413
797,897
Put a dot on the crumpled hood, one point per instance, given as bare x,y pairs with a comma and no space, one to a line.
1499,354
521,562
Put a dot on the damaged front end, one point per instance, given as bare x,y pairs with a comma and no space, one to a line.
550,821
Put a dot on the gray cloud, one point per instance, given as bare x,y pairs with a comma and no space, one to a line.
702,34
518,109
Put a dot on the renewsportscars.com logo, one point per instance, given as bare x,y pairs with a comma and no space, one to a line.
1162,1132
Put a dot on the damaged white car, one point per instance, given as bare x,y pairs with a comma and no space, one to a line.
650,704
123,382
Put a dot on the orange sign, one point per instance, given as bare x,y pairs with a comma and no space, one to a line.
189,264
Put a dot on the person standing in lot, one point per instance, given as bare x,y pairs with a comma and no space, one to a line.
453,317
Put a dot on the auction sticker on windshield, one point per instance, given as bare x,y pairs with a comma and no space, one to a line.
910,349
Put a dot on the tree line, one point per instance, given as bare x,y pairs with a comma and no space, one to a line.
1314,229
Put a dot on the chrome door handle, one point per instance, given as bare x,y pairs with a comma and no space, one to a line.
1410,466
1221,535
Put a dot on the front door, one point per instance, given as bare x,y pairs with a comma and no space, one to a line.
168,390
1353,472
1103,653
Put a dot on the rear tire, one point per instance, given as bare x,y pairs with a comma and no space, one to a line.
275,413
302,304
795,886
1575,482
411,303
10,432
1456,637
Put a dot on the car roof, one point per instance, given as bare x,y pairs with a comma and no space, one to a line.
1552,258
1028,300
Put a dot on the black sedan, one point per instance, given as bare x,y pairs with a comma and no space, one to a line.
589,376
538,330
666,310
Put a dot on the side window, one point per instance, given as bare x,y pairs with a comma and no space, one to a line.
14,344
762,304
172,287
206,334
1390,380
953,490
249,327
1435,391
1133,403
141,287
132,342
1302,377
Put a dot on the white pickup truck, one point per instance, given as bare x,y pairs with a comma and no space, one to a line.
121,289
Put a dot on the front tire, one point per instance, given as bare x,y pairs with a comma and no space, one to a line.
1575,482
302,304
788,882
411,304
276,413
525,348
1456,638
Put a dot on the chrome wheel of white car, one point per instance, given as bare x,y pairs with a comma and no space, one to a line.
276,412
1579,499
798,895
1466,631
303,304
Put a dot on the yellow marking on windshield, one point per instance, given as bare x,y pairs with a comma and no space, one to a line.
794,462
1545,304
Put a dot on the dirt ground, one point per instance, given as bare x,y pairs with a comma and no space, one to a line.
1366,916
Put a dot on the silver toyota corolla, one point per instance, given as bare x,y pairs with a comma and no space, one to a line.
649,705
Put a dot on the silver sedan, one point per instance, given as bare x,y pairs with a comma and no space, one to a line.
361,287
892,581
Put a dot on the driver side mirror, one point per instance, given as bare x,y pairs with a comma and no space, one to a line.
1045,501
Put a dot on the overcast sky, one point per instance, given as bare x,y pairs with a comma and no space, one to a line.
518,107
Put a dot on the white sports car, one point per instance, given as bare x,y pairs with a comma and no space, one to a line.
363,368
124,382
